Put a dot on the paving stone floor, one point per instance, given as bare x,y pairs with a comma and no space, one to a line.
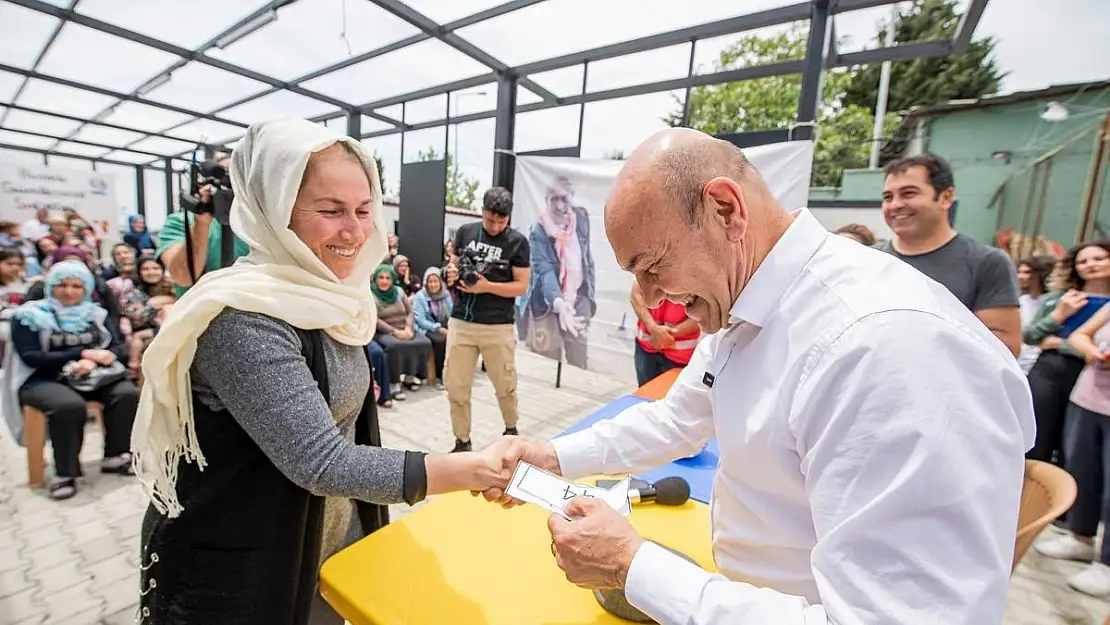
75,562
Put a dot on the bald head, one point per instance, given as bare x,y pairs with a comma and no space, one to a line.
691,218
670,169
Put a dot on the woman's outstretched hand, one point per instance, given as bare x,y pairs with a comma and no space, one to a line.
473,471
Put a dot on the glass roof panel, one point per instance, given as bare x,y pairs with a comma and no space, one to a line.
393,112
92,57
9,84
69,147
620,125
562,82
20,157
64,162
526,35
546,129
857,30
49,96
707,52
144,117
207,130
35,122
128,157
65,4
107,136
204,88
31,141
307,37
477,100
426,109
369,124
443,11
642,67
425,64
159,145
25,33
186,24
524,96
277,104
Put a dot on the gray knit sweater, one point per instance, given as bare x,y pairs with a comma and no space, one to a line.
252,365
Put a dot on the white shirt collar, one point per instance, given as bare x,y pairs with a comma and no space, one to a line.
779,269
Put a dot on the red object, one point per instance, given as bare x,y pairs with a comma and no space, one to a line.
670,315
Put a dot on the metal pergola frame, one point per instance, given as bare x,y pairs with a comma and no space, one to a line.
821,54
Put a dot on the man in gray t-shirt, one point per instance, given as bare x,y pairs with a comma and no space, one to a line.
917,195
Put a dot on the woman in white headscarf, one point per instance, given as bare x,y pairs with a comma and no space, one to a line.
257,425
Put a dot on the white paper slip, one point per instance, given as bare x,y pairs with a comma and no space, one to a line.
549,491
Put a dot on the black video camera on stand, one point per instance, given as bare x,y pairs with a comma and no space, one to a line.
218,204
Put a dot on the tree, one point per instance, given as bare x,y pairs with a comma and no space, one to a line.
381,170
929,80
462,190
843,133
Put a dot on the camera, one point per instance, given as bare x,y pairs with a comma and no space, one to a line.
215,175
494,270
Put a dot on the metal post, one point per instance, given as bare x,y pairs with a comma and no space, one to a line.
817,47
140,190
169,186
402,136
1090,194
354,125
884,93
689,87
582,107
559,374
447,136
504,131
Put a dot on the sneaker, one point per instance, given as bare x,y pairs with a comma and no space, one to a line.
120,464
439,386
510,432
63,488
461,446
1093,580
1066,547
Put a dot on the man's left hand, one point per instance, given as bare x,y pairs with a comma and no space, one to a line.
480,286
596,550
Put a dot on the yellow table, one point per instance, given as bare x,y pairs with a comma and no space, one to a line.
459,560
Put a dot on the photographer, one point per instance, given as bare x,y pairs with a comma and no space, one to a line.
206,234
493,270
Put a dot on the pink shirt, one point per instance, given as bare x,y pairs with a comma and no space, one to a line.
1092,388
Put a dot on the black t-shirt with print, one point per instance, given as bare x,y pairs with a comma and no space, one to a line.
472,239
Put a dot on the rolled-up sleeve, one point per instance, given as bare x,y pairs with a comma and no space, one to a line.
914,472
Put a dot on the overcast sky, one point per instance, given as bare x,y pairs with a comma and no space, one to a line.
1039,43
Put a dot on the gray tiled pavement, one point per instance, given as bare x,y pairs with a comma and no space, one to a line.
75,562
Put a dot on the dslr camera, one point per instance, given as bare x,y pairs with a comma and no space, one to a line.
215,175
494,270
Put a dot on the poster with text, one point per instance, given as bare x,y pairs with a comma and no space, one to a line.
26,188
577,307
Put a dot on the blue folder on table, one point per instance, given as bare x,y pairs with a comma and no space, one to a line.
697,470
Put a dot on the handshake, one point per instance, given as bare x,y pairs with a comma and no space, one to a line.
488,472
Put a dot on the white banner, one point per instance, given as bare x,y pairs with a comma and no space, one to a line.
26,188
603,299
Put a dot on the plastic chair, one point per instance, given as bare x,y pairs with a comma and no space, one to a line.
34,437
1048,492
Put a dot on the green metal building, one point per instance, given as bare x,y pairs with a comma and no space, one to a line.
1029,162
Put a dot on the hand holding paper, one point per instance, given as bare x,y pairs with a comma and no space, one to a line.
551,492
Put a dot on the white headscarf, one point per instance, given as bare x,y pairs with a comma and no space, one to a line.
280,277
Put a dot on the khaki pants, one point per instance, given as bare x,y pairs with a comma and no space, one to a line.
497,345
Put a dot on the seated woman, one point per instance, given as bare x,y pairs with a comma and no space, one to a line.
402,276
133,292
406,350
380,367
257,437
13,288
431,309
56,341
123,262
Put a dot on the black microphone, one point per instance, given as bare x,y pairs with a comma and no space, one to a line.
669,491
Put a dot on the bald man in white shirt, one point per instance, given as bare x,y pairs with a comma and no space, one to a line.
872,430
